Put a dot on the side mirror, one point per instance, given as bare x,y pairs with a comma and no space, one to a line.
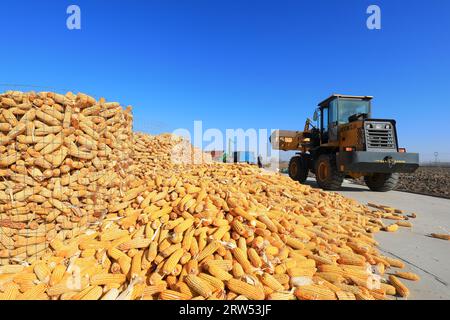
316,115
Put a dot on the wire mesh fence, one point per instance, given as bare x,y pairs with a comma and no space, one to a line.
63,163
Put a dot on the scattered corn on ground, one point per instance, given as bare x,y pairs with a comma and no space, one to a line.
163,228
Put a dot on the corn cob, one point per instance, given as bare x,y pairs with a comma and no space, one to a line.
218,272
243,288
441,236
171,262
107,278
400,288
208,250
314,292
407,275
345,295
242,259
216,283
271,282
42,272
94,294
198,285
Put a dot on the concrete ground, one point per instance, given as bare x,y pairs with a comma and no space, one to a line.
423,255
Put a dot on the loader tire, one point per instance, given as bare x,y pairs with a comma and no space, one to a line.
327,175
298,169
382,182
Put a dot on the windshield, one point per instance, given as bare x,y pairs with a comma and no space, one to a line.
348,108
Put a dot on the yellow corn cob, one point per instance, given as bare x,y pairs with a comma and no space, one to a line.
441,236
379,296
125,264
208,250
281,296
42,272
152,251
330,268
113,234
242,259
213,281
170,250
220,232
301,272
352,259
237,270
254,258
94,294
388,289
394,262
10,291
364,296
135,244
173,295
157,288
155,278
314,292
282,278
136,264
407,275
192,267
57,274
391,228
345,295
172,261
295,243
198,285
183,226
250,291
331,276
271,282
218,272
326,283
400,288
321,260
380,268
183,288
224,264
404,224
272,250
107,278
11,269
187,240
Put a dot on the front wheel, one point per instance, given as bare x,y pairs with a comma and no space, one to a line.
327,175
298,169
382,182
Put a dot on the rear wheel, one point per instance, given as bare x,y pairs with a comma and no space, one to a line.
382,182
298,169
327,175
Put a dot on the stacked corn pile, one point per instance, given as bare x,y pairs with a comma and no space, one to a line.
165,152
217,231
63,158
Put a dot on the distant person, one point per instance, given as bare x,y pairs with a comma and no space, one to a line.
260,162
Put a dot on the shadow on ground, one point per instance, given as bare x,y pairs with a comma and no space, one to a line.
313,184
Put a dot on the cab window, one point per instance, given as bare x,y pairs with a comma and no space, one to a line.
333,112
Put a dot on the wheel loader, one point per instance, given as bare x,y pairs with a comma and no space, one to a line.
346,142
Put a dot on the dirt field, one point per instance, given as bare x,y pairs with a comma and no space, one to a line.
432,181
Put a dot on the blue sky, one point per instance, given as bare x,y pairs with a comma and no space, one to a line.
239,63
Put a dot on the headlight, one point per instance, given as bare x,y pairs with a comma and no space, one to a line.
388,126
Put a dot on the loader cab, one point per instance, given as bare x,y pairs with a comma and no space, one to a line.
341,109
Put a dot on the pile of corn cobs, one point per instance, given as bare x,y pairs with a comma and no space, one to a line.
172,230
